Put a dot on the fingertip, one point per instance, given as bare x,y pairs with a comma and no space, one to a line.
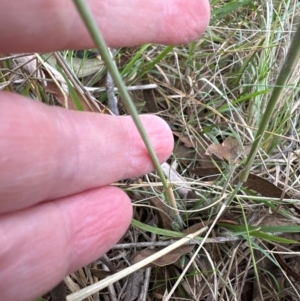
189,25
67,152
36,30
44,243
161,136
105,215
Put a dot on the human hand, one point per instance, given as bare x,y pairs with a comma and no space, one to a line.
57,210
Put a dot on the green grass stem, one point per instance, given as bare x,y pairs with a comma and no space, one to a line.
103,50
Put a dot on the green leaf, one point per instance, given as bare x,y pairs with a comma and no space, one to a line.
261,232
156,230
270,229
229,8
149,66
273,238
133,61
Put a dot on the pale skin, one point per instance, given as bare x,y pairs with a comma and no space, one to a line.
58,211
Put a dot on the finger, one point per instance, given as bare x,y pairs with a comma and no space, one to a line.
49,152
32,25
41,245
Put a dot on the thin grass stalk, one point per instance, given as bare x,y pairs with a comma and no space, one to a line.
103,50
284,75
251,251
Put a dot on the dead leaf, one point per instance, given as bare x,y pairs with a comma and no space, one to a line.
193,150
168,259
254,182
29,63
134,285
163,212
101,274
184,154
186,140
199,143
229,150
193,228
